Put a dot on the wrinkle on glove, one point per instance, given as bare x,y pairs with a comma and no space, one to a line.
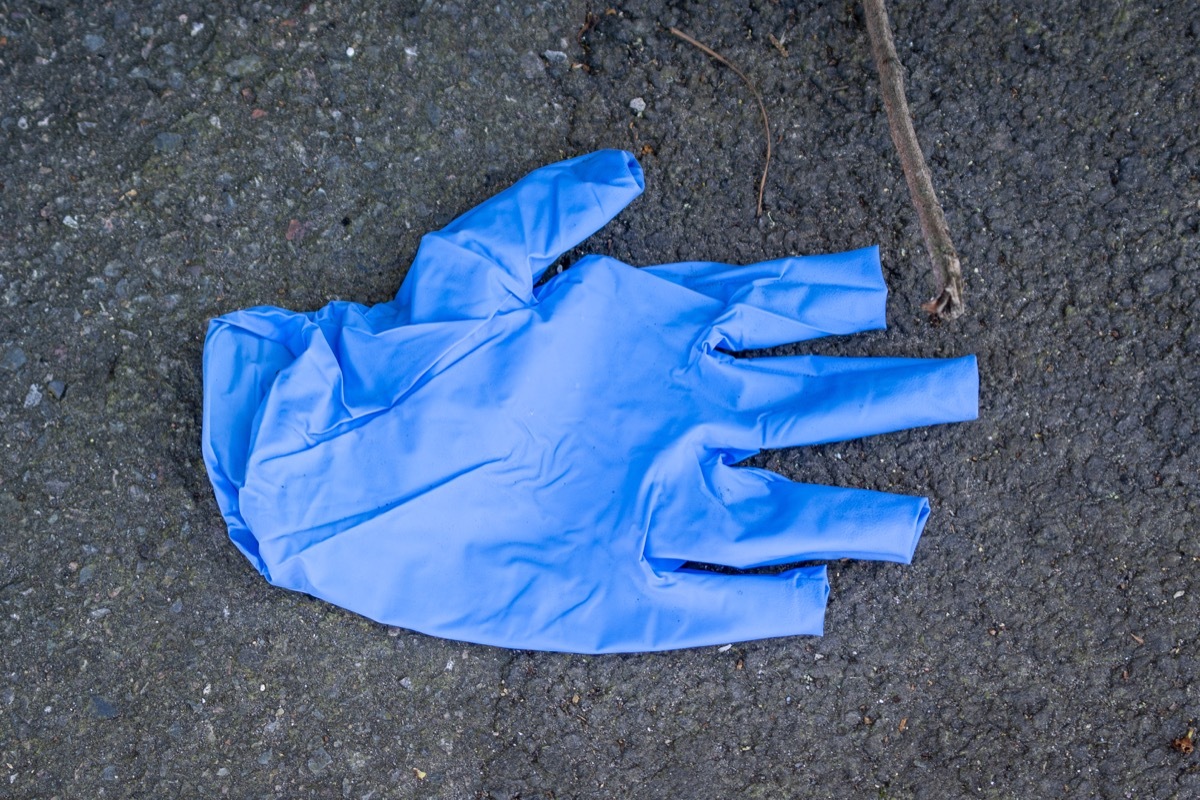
532,468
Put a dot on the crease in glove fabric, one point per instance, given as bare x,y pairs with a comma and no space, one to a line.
483,460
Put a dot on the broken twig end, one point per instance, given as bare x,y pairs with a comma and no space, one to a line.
948,304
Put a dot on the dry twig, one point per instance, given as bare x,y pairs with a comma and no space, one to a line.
947,270
762,183
778,45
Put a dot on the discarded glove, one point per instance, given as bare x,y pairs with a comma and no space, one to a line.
528,467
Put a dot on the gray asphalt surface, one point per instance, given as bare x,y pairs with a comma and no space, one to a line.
165,162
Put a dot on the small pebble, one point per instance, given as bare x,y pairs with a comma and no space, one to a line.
109,774
93,43
168,142
34,398
57,388
555,56
531,66
1157,281
319,761
638,105
13,360
241,67
103,709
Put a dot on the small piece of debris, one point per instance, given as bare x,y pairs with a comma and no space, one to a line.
102,709
1185,744
34,397
319,761
167,142
555,56
778,45
13,360
637,105
57,388
421,774
241,67
532,66
725,648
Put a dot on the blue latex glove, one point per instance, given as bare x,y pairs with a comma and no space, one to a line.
482,460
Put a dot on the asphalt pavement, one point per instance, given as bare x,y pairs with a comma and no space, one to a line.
165,162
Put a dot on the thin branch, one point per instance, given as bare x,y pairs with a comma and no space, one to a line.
947,270
762,183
